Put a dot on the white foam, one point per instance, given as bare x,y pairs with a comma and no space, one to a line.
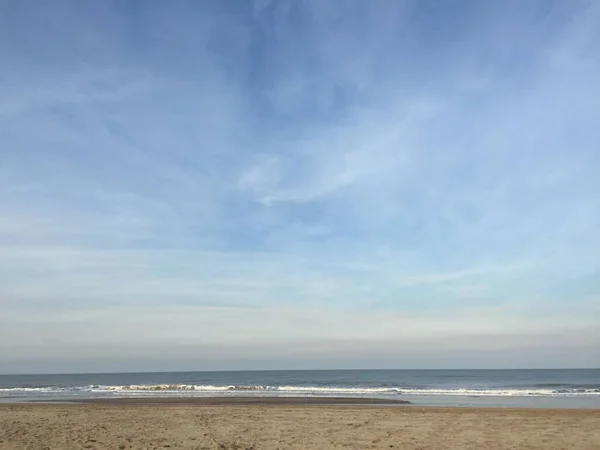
182,387
36,389
190,389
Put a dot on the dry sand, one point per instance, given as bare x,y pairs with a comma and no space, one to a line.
197,425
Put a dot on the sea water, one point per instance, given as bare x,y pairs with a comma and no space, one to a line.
559,388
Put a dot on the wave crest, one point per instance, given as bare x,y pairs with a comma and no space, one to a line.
191,389
183,387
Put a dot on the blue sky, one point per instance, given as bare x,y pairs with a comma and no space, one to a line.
279,184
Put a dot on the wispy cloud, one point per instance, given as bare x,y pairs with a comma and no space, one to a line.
287,169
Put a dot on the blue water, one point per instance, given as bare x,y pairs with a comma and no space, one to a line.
542,388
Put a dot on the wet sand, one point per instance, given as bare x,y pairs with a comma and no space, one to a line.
289,424
321,401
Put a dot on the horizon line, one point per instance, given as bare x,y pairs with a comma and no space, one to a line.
292,370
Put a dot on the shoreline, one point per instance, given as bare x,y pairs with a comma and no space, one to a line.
215,404
556,403
247,401
232,401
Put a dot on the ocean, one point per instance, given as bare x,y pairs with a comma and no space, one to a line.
561,388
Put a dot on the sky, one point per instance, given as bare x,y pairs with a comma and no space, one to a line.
309,184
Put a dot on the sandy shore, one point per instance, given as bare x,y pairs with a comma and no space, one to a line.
196,425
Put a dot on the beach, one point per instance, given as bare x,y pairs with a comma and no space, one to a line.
287,424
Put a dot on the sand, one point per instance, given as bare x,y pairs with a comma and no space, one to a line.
194,425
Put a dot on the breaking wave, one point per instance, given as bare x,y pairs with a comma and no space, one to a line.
199,390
